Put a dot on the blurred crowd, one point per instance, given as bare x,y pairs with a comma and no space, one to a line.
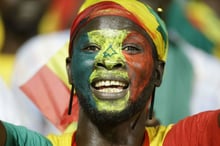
191,81
30,32
33,31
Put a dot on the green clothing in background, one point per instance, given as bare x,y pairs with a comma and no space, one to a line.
172,97
178,22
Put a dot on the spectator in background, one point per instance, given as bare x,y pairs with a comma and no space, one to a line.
192,59
20,21
194,25
38,50
33,18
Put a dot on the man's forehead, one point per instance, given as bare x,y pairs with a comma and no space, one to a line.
108,33
111,24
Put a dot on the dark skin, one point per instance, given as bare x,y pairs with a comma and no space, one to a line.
2,135
22,27
130,130
214,4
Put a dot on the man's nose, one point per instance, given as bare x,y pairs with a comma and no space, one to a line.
110,64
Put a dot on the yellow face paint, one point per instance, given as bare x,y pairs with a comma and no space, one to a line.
110,44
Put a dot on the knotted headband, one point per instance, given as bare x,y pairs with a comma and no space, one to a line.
139,13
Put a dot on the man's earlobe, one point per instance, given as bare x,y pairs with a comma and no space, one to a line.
68,69
159,72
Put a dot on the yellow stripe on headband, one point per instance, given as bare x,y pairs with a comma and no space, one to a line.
1,34
150,21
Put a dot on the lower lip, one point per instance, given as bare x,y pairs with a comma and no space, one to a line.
109,96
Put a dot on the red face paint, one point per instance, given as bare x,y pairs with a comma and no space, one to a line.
140,65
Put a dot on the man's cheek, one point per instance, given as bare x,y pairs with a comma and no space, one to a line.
140,68
81,71
139,74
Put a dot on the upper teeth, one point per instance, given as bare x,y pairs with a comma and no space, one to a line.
109,83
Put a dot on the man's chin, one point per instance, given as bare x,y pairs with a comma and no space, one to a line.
109,118
111,102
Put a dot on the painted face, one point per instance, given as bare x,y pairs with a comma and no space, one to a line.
112,66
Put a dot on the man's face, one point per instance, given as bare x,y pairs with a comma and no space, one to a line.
112,67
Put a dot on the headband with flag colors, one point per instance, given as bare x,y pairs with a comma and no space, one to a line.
134,10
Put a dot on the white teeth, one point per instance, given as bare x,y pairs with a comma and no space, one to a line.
109,83
109,86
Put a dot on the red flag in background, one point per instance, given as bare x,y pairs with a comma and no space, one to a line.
48,86
49,89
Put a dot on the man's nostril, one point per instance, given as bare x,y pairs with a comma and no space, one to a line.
100,65
119,65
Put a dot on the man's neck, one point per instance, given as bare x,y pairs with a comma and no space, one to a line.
128,133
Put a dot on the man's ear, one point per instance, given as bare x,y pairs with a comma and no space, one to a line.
68,69
159,72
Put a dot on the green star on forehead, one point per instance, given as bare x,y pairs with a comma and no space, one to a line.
109,52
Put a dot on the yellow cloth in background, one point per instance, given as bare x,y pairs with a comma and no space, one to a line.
62,140
6,67
1,34
45,25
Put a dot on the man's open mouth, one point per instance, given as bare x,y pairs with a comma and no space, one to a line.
109,89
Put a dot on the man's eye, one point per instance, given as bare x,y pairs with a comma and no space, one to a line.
91,49
132,49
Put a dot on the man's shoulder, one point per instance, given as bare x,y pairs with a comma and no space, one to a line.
202,128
